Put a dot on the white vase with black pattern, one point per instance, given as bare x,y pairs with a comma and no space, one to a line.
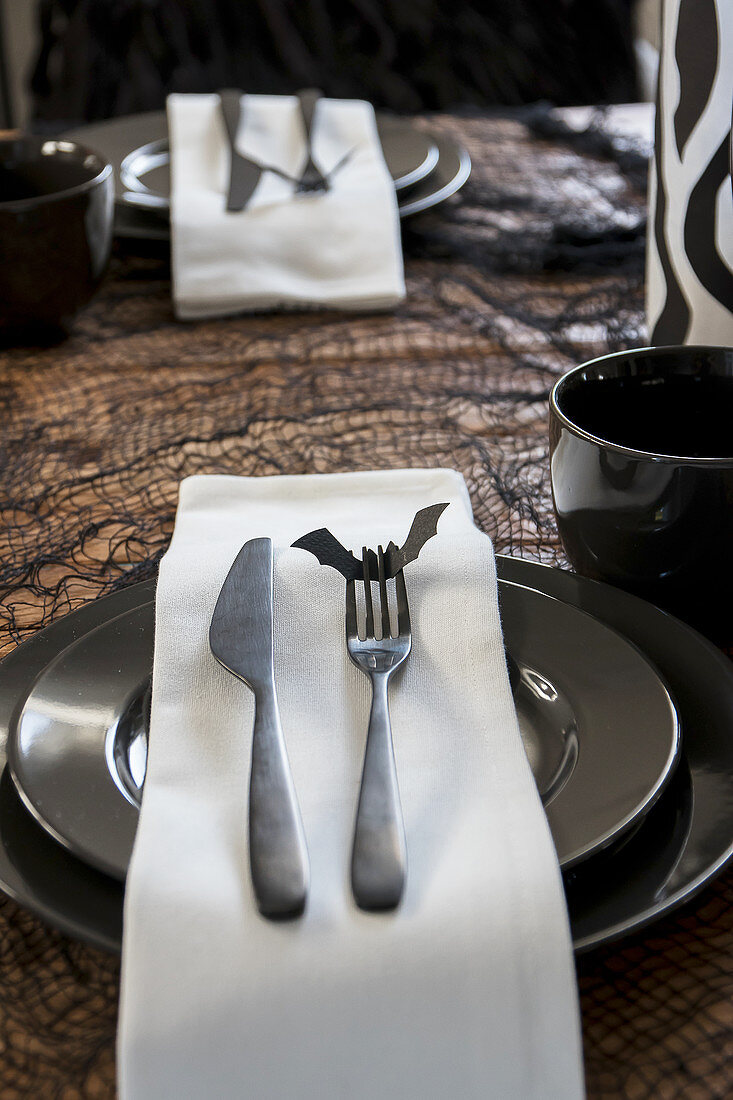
690,239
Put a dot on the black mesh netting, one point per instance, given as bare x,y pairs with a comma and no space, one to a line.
536,267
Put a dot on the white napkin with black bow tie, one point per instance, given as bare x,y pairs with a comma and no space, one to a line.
340,248
468,989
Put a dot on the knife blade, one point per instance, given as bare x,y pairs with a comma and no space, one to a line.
241,639
244,174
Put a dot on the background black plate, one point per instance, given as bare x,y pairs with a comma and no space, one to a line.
410,154
422,179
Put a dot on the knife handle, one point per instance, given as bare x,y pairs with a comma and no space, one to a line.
277,850
311,178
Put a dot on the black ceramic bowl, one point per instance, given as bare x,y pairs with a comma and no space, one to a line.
641,459
56,217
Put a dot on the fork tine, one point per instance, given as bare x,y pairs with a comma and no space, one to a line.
368,594
386,624
352,630
403,608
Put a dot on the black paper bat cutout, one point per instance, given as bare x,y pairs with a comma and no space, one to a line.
424,526
329,551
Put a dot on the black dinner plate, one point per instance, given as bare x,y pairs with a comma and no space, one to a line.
138,144
587,702
427,168
681,844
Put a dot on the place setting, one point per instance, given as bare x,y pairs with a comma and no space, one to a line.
253,783
309,189
622,709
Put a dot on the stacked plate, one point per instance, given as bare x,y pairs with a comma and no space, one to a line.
426,168
624,711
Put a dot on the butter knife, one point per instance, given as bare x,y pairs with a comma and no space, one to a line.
244,174
241,639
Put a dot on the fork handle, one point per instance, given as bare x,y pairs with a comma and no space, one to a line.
277,850
311,178
379,854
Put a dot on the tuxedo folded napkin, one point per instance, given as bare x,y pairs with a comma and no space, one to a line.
340,248
468,988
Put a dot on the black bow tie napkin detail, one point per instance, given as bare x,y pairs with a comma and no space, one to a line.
379,851
329,551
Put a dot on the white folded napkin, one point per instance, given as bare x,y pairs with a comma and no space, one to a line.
339,249
468,989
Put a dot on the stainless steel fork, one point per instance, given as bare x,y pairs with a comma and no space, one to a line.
379,854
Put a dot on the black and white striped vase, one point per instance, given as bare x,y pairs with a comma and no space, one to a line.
689,276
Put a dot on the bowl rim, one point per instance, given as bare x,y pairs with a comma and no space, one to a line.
723,461
105,171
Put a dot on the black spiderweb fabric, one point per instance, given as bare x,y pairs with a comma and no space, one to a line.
538,266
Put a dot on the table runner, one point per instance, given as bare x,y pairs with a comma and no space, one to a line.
507,288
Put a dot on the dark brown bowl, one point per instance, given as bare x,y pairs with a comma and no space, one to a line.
641,459
56,218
